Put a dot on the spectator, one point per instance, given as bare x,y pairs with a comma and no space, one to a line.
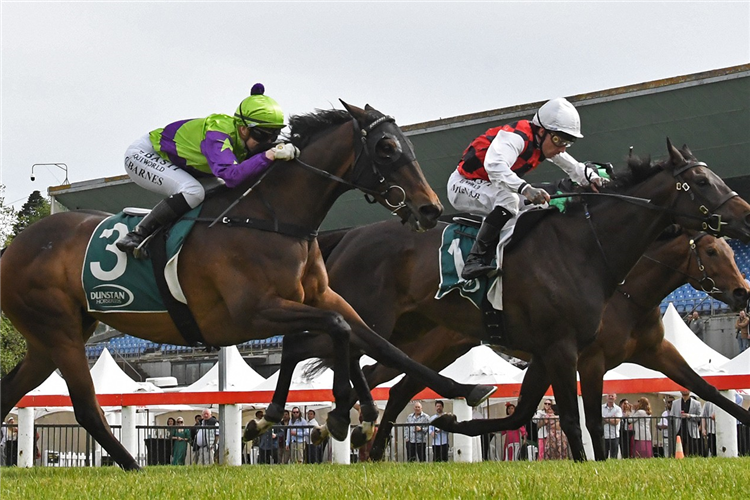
266,442
207,438
611,416
626,429
416,441
295,442
697,325
687,412
708,428
556,447
439,436
283,436
643,445
194,435
664,426
513,439
540,417
314,452
11,442
3,434
741,325
180,440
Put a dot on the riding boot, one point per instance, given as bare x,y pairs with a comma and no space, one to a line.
165,212
478,261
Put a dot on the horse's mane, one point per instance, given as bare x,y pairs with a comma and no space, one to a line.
637,171
304,127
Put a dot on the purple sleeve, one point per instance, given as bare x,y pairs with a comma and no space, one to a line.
217,148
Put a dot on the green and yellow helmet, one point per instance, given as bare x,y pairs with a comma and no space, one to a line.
259,110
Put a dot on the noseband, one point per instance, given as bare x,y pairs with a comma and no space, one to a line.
711,220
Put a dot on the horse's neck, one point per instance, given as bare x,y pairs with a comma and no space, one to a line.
295,194
651,280
620,235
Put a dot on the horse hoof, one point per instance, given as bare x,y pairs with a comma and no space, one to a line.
479,394
317,435
251,431
445,422
370,412
338,426
359,437
132,467
376,453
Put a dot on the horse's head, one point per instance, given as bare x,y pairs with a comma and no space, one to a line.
395,174
711,268
703,200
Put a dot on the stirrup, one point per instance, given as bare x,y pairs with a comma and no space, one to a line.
141,251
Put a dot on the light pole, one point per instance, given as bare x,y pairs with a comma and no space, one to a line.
61,166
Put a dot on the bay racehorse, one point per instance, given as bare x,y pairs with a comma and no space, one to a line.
240,283
631,328
557,279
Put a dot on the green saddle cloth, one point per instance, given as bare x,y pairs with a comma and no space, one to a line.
456,244
116,282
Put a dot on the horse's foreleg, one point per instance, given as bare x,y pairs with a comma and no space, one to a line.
670,362
74,368
286,317
31,371
387,354
561,362
398,397
535,384
591,369
369,411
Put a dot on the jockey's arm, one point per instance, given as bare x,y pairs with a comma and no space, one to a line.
577,171
501,155
217,148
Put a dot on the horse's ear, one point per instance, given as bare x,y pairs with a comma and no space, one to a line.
674,154
356,112
369,108
686,151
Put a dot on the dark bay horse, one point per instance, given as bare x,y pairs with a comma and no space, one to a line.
557,279
631,329
240,283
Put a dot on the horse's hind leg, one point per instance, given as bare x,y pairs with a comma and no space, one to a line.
561,362
31,371
71,359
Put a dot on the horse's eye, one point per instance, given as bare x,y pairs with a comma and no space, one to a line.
711,252
702,181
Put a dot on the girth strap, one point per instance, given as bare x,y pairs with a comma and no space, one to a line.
274,226
180,313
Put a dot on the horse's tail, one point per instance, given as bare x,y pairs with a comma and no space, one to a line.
317,367
330,239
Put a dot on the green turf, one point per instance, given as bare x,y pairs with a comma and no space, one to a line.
656,478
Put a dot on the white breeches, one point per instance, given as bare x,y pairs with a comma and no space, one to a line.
479,197
152,172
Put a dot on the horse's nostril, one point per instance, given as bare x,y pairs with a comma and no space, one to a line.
431,212
747,219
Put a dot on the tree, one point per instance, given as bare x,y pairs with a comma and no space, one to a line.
12,346
35,208
7,219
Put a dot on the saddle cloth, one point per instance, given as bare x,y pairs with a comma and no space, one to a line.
116,282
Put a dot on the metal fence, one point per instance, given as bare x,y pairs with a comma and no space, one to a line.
69,445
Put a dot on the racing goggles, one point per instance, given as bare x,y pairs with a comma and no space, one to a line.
262,136
560,141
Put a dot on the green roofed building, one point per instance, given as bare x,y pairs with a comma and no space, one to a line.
709,111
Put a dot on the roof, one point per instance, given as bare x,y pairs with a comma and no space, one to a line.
709,111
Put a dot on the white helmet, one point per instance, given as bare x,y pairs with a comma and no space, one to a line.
558,115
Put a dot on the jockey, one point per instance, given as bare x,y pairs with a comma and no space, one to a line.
488,180
168,160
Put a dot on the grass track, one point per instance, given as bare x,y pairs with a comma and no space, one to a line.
642,479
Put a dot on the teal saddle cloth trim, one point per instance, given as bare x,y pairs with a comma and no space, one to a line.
116,282
456,245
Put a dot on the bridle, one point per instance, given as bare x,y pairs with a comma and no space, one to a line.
706,283
366,140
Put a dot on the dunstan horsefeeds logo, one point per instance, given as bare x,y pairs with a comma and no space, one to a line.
111,296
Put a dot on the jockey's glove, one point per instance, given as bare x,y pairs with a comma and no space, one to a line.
537,196
286,151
